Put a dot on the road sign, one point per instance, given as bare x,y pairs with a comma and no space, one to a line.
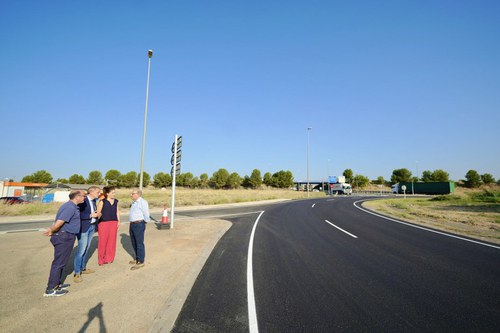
174,171
177,170
179,145
403,187
176,153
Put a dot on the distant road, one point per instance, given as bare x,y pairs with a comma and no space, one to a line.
323,265
207,212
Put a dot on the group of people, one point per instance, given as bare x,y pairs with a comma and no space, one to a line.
79,218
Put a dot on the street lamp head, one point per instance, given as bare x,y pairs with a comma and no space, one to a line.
150,53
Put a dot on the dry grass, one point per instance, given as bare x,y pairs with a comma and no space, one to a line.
183,197
464,213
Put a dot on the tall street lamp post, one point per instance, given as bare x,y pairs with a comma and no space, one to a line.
308,130
150,55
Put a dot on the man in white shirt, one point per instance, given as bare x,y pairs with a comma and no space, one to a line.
139,216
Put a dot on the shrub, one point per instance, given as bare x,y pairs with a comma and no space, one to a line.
486,196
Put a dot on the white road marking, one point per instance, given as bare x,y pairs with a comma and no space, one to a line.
333,225
252,312
330,199
223,215
423,228
20,230
313,205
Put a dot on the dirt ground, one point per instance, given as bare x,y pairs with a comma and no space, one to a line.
114,299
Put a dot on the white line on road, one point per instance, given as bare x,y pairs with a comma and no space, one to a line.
333,225
330,199
313,205
252,312
224,215
423,228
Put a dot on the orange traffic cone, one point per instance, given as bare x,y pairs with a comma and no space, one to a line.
164,219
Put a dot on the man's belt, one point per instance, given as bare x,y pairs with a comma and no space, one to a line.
135,222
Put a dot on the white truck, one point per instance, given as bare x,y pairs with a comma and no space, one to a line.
341,188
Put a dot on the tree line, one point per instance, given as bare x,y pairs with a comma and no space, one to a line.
472,178
221,179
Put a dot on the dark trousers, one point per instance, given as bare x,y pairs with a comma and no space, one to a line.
137,238
63,244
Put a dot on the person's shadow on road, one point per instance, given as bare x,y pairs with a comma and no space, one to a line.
96,311
127,244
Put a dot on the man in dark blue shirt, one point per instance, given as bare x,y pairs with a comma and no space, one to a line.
88,217
63,233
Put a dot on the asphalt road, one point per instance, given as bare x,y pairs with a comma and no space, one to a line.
323,265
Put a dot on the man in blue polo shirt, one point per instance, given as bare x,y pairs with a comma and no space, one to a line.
62,236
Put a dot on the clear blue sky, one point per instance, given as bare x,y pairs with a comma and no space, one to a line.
383,84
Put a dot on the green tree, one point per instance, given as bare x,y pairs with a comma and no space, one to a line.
268,179
282,179
255,179
472,179
113,177
76,179
440,176
128,180
162,180
185,179
427,176
348,174
219,178
360,181
487,178
62,181
195,183
27,179
40,176
246,182
379,181
233,181
204,181
95,178
400,175
146,179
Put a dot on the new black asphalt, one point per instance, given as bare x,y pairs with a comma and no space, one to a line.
323,265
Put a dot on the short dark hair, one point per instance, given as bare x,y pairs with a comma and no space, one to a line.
74,193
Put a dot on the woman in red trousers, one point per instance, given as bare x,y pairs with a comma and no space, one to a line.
109,223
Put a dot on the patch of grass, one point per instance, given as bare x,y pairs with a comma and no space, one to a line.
399,205
486,196
183,197
447,197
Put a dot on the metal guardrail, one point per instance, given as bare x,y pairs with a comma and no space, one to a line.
380,193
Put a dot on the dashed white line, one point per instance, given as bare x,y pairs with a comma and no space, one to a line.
313,205
333,225
252,312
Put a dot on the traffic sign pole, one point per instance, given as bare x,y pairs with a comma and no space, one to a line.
174,164
176,168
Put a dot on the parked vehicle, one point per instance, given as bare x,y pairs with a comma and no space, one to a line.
424,188
12,200
341,188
